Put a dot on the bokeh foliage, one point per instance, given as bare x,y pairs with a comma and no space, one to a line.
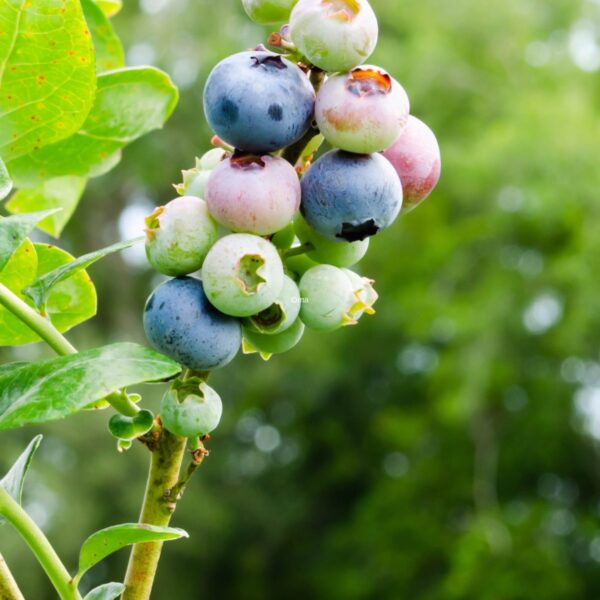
443,449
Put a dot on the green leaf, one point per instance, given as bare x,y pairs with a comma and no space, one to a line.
129,103
70,303
60,192
9,367
14,230
108,591
54,389
47,74
13,481
106,541
110,7
108,47
39,290
5,181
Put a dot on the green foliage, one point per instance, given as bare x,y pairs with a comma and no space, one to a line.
110,7
46,91
40,290
106,541
61,193
14,230
5,181
68,303
129,103
14,480
107,45
108,591
56,388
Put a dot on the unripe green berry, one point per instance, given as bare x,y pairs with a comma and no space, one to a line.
191,411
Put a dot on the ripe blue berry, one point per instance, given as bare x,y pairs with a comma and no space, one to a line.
258,101
416,157
266,344
191,411
254,194
350,196
362,111
242,274
338,253
179,235
335,35
266,12
180,322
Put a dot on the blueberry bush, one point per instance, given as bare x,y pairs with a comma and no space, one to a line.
269,223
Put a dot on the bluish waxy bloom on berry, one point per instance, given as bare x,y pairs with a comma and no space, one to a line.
194,180
180,322
242,274
192,410
266,12
281,314
362,111
179,235
416,158
254,194
350,196
335,35
338,253
258,101
267,345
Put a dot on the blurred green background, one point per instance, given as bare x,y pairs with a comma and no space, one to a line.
446,448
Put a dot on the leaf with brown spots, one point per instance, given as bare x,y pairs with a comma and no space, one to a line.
129,103
108,47
69,303
47,75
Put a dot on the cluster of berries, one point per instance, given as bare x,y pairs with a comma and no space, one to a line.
272,233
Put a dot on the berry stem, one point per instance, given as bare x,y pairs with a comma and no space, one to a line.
34,537
58,342
157,509
9,590
298,250
293,152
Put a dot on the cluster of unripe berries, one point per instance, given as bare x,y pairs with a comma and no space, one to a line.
272,233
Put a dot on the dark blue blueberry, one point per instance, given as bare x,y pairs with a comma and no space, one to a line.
180,322
350,196
258,101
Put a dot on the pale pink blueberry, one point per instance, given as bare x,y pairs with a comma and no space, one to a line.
362,111
253,194
416,157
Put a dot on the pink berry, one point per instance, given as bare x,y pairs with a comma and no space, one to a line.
253,194
416,158
362,111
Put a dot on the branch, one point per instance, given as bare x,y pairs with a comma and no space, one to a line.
157,509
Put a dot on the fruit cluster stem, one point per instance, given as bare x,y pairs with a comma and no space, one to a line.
34,537
157,509
9,590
